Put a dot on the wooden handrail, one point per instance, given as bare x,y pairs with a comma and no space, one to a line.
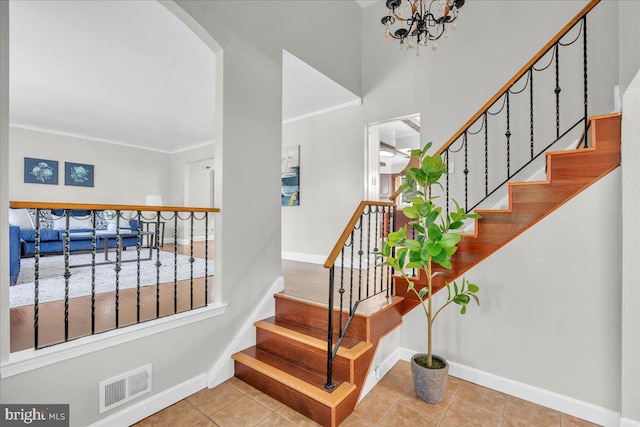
331,259
520,73
106,207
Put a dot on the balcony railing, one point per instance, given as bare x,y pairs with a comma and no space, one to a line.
85,269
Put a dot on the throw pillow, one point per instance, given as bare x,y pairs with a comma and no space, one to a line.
74,223
21,218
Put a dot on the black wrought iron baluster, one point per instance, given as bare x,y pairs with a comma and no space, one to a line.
191,261
175,262
353,244
531,111
393,210
360,253
341,291
446,199
368,245
118,267
67,274
94,242
206,259
376,249
486,154
586,87
36,283
138,249
329,384
557,89
158,263
508,135
466,172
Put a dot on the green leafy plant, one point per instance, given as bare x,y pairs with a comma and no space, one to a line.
434,240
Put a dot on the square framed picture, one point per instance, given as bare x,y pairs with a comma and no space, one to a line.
40,171
78,174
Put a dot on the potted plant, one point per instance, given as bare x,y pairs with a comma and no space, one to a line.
433,241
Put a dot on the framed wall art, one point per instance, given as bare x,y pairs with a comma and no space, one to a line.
78,174
40,171
290,176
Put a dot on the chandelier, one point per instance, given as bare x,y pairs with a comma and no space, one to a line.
418,24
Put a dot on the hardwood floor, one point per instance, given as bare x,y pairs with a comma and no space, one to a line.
51,314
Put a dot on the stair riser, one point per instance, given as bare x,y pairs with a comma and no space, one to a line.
310,358
284,394
316,317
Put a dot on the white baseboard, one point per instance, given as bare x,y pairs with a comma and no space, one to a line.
375,376
626,422
321,259
549,399
302,257
246,337
149,406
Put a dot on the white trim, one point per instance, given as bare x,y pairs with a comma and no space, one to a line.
105,141
377,372
193,147
626,422
302,257
149,406
321,259
568,405
223,369
27,360
354,102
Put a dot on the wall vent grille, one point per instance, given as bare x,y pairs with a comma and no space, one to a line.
125,387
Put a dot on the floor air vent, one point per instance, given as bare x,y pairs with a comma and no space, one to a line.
123,388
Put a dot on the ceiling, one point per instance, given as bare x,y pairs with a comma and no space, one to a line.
130,73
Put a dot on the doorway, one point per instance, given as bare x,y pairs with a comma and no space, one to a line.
388,151
199,192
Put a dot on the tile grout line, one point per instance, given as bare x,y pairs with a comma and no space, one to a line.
444,414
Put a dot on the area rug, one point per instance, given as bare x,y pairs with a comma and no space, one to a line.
52,282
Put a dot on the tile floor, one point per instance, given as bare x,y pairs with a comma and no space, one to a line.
391,403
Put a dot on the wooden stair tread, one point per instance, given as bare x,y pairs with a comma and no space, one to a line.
311,336
290,375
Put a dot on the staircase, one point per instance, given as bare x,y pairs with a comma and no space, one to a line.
568,173
289,359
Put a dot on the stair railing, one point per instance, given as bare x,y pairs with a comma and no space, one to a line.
353,274
489,146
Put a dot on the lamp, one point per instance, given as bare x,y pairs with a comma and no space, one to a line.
153,200
418,24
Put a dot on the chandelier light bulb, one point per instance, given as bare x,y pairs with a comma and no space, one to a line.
434,46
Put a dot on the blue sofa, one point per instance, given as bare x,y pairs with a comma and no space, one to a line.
22,242
16,247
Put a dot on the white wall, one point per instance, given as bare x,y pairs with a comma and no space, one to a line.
549,304
331,175
249,150
631,252
4,175
445,87
122,174
629,42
